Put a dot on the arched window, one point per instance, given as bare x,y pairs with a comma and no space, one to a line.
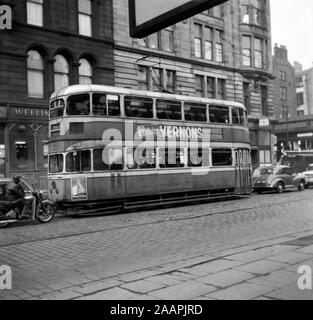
61,72
85,72
35,74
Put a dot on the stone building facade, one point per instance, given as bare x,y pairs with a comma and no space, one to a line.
51,44
284,85
222,53
304,91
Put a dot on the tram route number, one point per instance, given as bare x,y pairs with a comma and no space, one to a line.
158,310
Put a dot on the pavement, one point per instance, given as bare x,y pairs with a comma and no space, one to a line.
245,249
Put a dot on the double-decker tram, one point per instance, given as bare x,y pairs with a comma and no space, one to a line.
113,148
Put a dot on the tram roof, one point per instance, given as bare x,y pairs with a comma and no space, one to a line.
119,90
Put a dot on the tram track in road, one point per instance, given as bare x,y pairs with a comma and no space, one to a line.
160,220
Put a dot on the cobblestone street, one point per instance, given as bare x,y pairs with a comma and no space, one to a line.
240,249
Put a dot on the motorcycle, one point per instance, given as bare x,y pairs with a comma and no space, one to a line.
34,208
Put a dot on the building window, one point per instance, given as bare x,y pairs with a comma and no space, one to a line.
35,12
208,43
156,79
210,87
35,74
246,50
282,75
247,95
205,39
85,72
284,111
199,86
221,89
283,93
217,11
245,14
84,18
264,101
168,39
218,46
198,40
258,55
154,41
61,72
143,79
300,99
256,12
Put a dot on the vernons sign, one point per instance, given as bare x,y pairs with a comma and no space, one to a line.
5,17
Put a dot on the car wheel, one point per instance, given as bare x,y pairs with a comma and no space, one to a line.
280,188
301,186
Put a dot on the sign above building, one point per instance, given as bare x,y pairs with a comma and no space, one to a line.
28,112
149,16
264,123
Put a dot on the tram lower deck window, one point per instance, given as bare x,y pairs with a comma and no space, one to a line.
198,157
56,163
138,107
108,159
141,158
79,161
171,158
222,157
219,114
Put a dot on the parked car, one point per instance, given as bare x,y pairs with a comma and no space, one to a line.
308,174
261,171
279,178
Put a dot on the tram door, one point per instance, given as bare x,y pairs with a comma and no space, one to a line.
243,171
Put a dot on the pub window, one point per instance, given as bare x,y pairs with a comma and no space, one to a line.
35,12
168,109
218,46
79,161
210,87
170,80
154,40
219,114
156,75
195,112
171,158
56,163
78,105
198,40
258,53
21,148
138,107
208,43
84,17
35,74
222,157
168,39
143,78
221,89
98,162
141,158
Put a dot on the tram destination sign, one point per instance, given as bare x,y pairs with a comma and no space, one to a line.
149,16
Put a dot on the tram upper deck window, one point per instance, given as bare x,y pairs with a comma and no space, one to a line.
171,158
141,158
78,105
195,112
138,107
219,114
168,109
106,104
238,116
79,161
222,157
57,108
56,163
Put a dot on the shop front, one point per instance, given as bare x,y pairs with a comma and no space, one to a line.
23,142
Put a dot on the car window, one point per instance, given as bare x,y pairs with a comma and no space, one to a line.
310,168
